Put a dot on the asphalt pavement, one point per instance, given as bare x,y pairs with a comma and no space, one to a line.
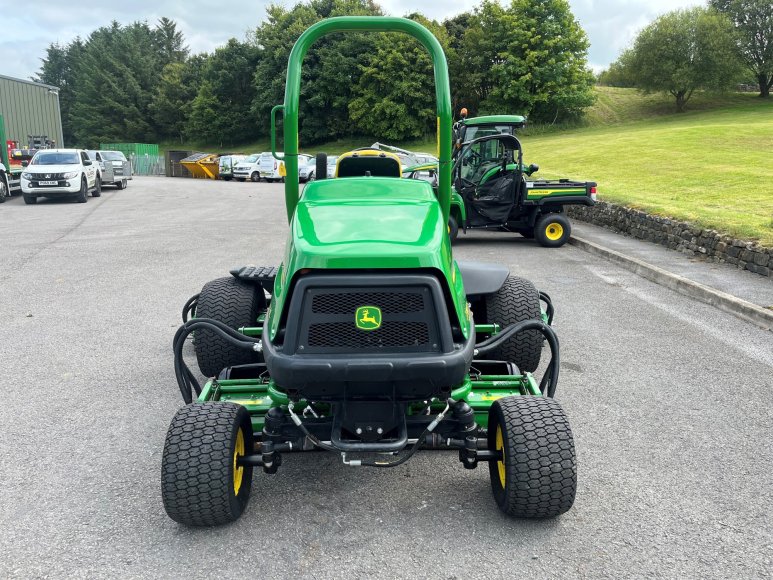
669,400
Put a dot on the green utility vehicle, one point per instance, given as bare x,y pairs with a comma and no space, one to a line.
368,341
493,189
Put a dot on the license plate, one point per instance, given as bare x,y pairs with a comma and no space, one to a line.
48,183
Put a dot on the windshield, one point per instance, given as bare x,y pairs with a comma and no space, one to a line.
54,158
250,159
112,155
477,131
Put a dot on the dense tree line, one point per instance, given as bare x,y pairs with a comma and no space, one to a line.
139,82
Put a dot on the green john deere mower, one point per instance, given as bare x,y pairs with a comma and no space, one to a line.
368,341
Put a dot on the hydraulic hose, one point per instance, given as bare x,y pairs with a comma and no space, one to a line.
550,378
185,378
189,309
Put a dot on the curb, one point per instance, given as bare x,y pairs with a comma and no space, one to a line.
721,300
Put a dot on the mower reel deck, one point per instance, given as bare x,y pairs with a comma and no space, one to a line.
369,340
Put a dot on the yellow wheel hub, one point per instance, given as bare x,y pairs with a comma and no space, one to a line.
238,469
554,231
499,445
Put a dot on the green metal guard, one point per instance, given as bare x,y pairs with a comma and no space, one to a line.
293,89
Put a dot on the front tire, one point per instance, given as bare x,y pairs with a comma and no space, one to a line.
553,230
254,177
201,481
517,300
231,302
29,199
537,474
83,195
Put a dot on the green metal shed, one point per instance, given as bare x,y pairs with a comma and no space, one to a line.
30,109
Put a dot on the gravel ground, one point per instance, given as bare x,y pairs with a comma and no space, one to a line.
669,401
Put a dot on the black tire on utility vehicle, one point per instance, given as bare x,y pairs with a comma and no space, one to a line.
30,199
97,188
553,230
231,302
517,300
201,483
453,228
537,476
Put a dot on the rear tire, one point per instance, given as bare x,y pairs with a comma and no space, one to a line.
30,199
517,300
201,485
120,185
537,476
231,302
553,230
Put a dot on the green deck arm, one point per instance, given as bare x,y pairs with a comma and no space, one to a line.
372,24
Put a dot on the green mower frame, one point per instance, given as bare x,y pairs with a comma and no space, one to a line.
369,341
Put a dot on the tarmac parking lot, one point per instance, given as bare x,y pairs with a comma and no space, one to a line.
669,401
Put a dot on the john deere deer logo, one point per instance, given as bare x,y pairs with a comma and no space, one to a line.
368,317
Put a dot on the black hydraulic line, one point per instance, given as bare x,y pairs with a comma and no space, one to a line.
189,310
549,380
185,378
550,309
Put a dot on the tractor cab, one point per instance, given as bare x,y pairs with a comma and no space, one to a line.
467,130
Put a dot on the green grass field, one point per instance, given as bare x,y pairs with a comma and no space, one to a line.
712,165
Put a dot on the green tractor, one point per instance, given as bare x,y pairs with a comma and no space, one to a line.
368,341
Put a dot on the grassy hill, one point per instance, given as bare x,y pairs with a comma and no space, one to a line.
712,165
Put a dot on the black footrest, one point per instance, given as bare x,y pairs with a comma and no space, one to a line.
255,274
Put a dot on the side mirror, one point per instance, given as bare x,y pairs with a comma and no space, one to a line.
533,168
87,162
25,163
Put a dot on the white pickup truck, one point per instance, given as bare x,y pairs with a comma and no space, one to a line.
61,173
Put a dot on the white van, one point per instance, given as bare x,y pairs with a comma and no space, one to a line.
227,164
247,168
270,168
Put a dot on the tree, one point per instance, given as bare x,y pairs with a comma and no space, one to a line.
529,58
619,72
169,42
395,96
330,70
173,99
58,69
685,50
221,109
753,22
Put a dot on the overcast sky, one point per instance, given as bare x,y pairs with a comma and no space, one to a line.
610,24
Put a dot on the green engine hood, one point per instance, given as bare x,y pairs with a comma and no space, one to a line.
367,223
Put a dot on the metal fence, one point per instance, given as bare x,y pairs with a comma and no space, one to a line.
147,164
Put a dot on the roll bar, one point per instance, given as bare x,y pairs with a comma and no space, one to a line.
293,89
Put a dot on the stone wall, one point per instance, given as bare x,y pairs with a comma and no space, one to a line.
680,236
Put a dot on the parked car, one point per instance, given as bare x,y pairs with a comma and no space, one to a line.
112,168
307,166
270,168
61,173
247,168
331,166
226,165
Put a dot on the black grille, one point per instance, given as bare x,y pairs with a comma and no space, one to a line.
326,319
394,334
347,303
47,176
